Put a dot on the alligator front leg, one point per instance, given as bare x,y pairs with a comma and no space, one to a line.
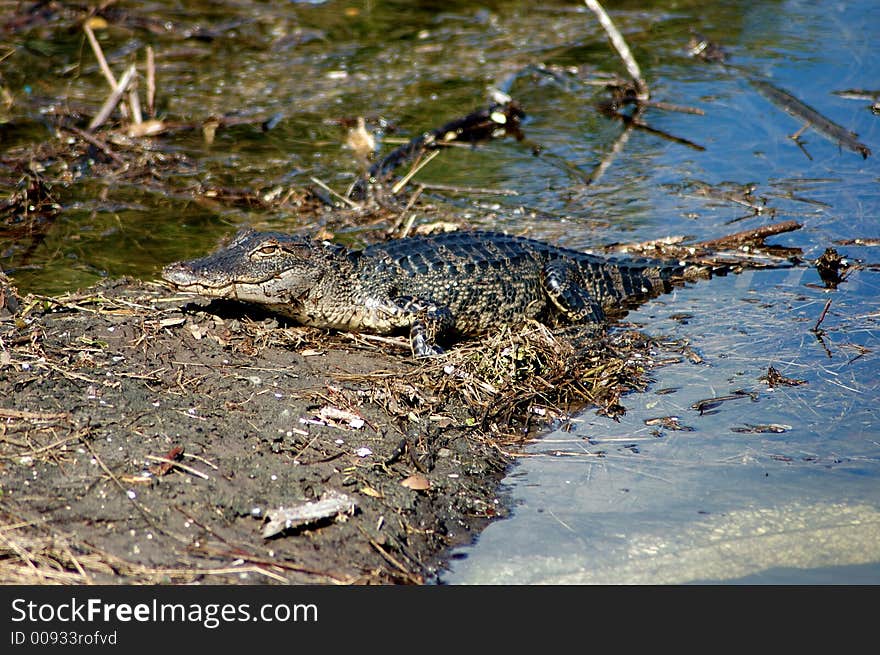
429,321
564,284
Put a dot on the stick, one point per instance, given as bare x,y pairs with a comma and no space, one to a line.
679,108
135,103
747,236
183,467
637,122
334,193
469,189
112,100
151,83
810,117
6,412
415,169
102,62
103,147
99,55
622,48
821,317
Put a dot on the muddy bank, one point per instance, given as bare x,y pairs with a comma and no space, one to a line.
145,437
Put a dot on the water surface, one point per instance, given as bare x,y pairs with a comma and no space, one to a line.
628,502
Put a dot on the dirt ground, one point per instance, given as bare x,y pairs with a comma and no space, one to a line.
249,416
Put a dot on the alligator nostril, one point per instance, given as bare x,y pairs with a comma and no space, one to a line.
179,273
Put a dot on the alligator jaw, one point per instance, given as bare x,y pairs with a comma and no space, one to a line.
184,278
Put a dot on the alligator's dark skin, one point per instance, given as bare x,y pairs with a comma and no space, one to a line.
434,287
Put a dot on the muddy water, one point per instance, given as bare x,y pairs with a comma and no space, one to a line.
301,68
619,497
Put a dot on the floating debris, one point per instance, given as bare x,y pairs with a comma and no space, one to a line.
739,194
703,406
746,248
668,422
702,48
829,266
774,428
501,118
859,94
775,379
331,504
862,94
858,241
812,118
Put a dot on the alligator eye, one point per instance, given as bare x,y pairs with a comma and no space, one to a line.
267,251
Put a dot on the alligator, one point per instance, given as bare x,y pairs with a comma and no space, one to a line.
437,287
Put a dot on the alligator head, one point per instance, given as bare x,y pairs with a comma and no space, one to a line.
267,268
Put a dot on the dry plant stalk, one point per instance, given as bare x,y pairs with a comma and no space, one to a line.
151,83
125,85
112,100
622,48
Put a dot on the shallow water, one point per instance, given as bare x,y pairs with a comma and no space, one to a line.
623,502
608,501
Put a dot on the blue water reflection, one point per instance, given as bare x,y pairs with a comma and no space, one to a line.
628,502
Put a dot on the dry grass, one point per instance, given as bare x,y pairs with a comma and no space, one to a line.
32,554
517,379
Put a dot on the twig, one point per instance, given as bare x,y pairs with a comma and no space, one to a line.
388,557
151,83
636,121
135,103
6,412
146,513
407,226
622,48
22,553
99,55
183,467
36,451
810,117
747,236
682,109
326,188
412,172
469,189
103,147
609,157
203,460
105,67
642,125
112,100
821,316
261,562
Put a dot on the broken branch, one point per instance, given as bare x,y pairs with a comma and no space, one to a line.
112,100
622,48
